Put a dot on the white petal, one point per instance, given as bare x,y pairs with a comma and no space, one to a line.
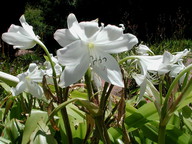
180,55
109,33
167,57
17,29
36,75
108,69
64,37
73,73
143,50
90,29
126,43
21,86
27,27
176,68
34,89
74,27
18,40
72,53
139,78
152,62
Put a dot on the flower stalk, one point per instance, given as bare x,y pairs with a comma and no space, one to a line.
88,83
52,66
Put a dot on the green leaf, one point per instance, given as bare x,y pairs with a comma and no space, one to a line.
32,123
186,112
12,130
42,135
4,141
78,94
92,108
59,107
5,86
143,115
177,136
150,131
186,95
115,134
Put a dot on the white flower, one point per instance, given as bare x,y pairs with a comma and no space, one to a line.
170,61
161,63
29,82
21,37
86,44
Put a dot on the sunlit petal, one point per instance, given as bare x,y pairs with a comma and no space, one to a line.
74,27
109,33
126,43
64,37
73,73
27,27
34,89
17,29
72,53
18,40
108,69
21,86
90,29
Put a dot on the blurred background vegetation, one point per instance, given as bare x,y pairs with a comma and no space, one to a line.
153,21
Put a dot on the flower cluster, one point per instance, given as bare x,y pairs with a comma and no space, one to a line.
88,45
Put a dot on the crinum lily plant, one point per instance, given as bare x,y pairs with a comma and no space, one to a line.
76,87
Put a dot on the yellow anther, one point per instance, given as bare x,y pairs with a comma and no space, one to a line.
90,45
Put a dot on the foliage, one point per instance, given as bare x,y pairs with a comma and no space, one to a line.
171,45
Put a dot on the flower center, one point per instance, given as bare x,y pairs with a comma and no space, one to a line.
91,45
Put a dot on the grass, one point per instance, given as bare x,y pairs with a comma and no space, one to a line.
170,45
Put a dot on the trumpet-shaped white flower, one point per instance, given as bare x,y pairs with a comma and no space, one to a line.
86,44
169,61
160,64
21,37
29,82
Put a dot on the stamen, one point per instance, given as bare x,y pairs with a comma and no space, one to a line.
92,57
105,59
94,61
91,45
100,60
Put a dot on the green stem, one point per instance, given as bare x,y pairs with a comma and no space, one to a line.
161,89
127,58
105,97
88,83
66,118
52,65
100,120
102,130
161,134
67,125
